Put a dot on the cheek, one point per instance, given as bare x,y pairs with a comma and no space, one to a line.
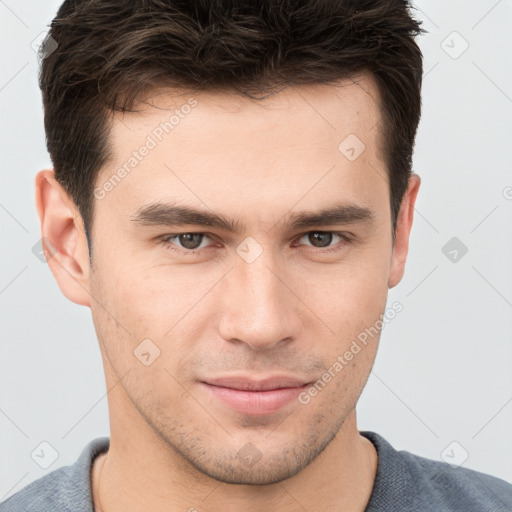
347,297
350,303
149,366
147,328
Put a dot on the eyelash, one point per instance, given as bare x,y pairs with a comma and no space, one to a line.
166,242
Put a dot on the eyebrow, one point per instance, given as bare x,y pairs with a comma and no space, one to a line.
166,214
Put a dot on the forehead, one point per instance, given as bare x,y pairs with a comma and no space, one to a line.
180,119
228,150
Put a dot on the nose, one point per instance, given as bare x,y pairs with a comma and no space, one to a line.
258,307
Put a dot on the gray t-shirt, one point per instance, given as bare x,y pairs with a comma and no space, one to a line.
404,483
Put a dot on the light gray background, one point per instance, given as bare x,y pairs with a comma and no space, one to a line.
443,371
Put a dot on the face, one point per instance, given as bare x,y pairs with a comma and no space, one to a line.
187,311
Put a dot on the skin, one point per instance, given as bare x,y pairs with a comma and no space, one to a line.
292,311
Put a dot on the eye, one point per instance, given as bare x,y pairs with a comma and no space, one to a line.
190,242
322,239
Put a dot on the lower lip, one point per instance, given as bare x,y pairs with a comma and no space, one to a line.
255,402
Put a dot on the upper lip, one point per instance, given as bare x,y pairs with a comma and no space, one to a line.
256,384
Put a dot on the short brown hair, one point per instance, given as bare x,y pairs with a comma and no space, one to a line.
110,51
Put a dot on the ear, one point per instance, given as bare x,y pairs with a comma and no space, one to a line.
63,238
403,230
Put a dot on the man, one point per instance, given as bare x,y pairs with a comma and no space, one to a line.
232,196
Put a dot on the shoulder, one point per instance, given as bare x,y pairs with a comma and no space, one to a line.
64,489
459,488
50,492
434,485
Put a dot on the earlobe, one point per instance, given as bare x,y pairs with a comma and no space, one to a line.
403,230
63,238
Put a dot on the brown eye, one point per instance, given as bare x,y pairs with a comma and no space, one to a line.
190,240
320,239
185,242
323,239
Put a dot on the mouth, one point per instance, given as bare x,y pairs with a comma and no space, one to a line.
255,396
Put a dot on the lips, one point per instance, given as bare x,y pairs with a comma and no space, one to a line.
255,396
246,384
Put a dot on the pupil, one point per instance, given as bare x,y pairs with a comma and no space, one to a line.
325,239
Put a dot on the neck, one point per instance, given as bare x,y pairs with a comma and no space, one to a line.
149,475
